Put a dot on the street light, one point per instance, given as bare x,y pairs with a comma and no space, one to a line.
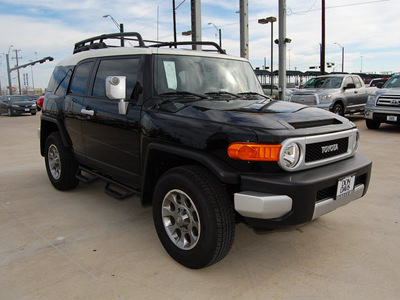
219,33
342,55
266,21
119,26
361,63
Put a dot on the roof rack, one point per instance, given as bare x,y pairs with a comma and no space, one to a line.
97,42
193,43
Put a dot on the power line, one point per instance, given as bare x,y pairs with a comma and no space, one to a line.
328,7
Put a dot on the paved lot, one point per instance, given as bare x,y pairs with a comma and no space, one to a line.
84,244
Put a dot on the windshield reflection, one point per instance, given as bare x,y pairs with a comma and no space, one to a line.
203,75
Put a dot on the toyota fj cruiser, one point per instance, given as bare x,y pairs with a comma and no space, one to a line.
192,133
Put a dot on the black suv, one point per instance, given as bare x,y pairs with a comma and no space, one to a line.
192,133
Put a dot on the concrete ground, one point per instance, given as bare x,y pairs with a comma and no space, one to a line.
83,244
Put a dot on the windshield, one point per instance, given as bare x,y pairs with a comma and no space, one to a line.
393,82
323,83
203,75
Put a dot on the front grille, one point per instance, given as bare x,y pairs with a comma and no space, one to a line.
307,99
326,149
389,100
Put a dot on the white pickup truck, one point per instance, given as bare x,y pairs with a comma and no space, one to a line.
339,93
383,106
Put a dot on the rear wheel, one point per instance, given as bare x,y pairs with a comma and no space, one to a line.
61,165
193,216
371,124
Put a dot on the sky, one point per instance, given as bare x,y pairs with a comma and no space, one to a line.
366,29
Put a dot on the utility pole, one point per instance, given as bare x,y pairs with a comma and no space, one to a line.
282,49
244,28
195,7
9,74
174,19
19,81
322,62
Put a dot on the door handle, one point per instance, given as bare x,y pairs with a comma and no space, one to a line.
87,112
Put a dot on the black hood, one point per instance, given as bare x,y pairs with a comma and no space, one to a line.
264,114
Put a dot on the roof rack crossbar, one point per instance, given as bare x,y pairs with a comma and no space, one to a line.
202,43
97,42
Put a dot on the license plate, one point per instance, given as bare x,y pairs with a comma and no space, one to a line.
391,118
345,186
27,109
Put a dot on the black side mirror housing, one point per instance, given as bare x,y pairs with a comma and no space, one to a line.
350,86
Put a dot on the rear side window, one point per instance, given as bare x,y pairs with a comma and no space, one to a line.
59,80
80,78
357,82
116,67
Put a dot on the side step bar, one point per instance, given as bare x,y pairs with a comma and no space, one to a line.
112,188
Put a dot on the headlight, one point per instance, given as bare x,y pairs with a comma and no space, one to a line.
33,105
325,97
14,105
291,155
371,99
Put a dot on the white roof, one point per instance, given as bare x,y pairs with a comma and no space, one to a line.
94,53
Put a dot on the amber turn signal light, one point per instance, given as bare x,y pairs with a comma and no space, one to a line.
257,152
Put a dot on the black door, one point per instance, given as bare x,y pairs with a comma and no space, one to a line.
112,140
73,104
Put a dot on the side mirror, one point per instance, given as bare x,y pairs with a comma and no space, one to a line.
350,86
379,85
116,90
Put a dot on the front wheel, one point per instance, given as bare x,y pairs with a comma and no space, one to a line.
371,124
338,109
193,216
61,165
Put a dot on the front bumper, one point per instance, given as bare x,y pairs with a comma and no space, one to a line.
22,110
381,114
294,198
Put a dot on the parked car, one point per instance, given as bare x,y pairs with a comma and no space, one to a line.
338,93
267,90
17,105
275,91
383,106
378,82
192,133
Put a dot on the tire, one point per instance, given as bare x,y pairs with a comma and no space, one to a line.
371,124
61,165
193,216
33,113
338,109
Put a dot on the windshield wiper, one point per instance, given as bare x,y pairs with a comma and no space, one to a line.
254,94
183,93
221,93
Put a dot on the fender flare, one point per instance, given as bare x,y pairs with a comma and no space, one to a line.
222,171
46,130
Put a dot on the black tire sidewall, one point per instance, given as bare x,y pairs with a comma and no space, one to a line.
338,109
68,163
202,254
372,124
